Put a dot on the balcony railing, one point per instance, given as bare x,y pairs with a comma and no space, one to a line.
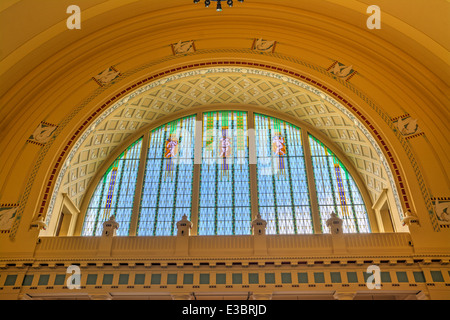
220,246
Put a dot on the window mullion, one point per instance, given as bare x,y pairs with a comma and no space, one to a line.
311,183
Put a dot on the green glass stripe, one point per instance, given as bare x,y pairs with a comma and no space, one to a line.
224,118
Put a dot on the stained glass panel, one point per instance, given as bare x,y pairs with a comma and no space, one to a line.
114,194
224,176
283,196
224,204
167,189
337,191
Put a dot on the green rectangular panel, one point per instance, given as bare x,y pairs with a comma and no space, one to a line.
59,279
91,279
139,278
270,278
204,278
221,278
319,277
10,280
437,276
385,276
188,278
419,276
156,278
107,279
43,279
402,276
302,277
253,278
27,280
352,277
172,278
335,277
286,277
236,278
123,278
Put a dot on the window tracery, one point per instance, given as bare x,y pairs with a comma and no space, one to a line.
224,178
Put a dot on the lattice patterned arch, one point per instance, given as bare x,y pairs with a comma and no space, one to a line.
221,185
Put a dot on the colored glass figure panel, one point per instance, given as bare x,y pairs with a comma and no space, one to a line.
224,203
167,188
337,191
283,195
114,194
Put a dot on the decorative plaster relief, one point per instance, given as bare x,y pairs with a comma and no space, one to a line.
183,47
7,216
442,209
43,133
342,71
264,45
407,126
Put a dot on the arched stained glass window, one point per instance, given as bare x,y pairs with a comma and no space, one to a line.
224,207
336,190
167,189
282,183
216,192
114,194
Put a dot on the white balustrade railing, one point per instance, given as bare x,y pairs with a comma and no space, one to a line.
206,246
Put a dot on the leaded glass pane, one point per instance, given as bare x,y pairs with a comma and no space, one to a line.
224,204
283,196
224,188
167,188
337,191
114,194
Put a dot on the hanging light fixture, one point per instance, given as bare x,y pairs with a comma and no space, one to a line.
219,3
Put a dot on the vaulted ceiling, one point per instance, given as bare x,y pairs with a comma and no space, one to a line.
68,83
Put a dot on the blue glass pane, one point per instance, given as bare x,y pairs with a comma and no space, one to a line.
114,194
224,204
167,188
283,196
337,191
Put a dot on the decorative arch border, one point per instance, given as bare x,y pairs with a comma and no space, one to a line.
306,82
215,70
